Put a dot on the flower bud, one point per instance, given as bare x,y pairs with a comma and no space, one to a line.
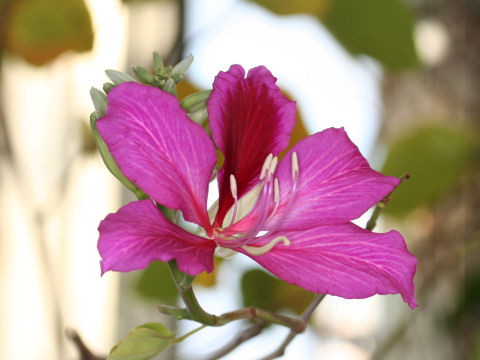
196,105
179,70
143,75
157,63
107,87
99,100
170,87
118,77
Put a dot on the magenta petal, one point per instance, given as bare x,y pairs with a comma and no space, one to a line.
343,260
335,184
139,233
159,148
250,118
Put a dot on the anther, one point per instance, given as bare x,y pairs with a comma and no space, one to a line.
266,165
260,250
272,167
295,169
233,186
276,191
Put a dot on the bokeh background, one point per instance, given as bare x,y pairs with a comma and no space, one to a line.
402,76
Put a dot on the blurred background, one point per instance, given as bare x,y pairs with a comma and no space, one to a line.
402,76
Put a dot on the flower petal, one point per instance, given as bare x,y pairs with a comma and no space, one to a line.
139,233
250,118
159,148
343,260
335,184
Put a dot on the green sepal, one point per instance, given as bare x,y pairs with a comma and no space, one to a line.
107,158
118,77
143,75
143,342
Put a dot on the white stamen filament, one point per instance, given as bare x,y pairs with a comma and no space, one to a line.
223,252
233,186
260,250
276,190
272,167
233,189
295,169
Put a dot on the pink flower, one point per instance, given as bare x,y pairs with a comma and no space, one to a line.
302,204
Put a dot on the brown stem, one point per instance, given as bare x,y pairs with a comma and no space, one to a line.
305,317
85,353
245,335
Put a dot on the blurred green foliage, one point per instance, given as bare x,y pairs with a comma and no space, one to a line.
41,30
382,29
286,7
270,293
435,156
155,283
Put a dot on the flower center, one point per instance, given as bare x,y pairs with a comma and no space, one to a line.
258,210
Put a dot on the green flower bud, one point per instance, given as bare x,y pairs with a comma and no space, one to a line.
179,70
170,87
143,75
99,100
118,77
107,87
109,161
157,63
196,101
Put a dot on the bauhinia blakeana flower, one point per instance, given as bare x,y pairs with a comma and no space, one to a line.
292,216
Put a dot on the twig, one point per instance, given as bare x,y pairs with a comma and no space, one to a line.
305,317
245,335
85,353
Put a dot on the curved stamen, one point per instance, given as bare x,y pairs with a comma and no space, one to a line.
260,250
295,172
233,189
266,165
295,168
223,252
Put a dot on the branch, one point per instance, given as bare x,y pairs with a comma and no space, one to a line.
245,335
305,317
85,353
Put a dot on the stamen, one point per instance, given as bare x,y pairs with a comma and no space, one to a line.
272,167
260,250
233,186
224,253
276,191
233,189
266,165
295,169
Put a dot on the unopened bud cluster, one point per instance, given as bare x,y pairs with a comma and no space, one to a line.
163,77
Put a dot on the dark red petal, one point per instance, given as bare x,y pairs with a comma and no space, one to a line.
250,118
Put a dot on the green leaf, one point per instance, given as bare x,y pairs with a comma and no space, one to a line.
41,30
382,29
143,342
265,291
435,157
155,283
